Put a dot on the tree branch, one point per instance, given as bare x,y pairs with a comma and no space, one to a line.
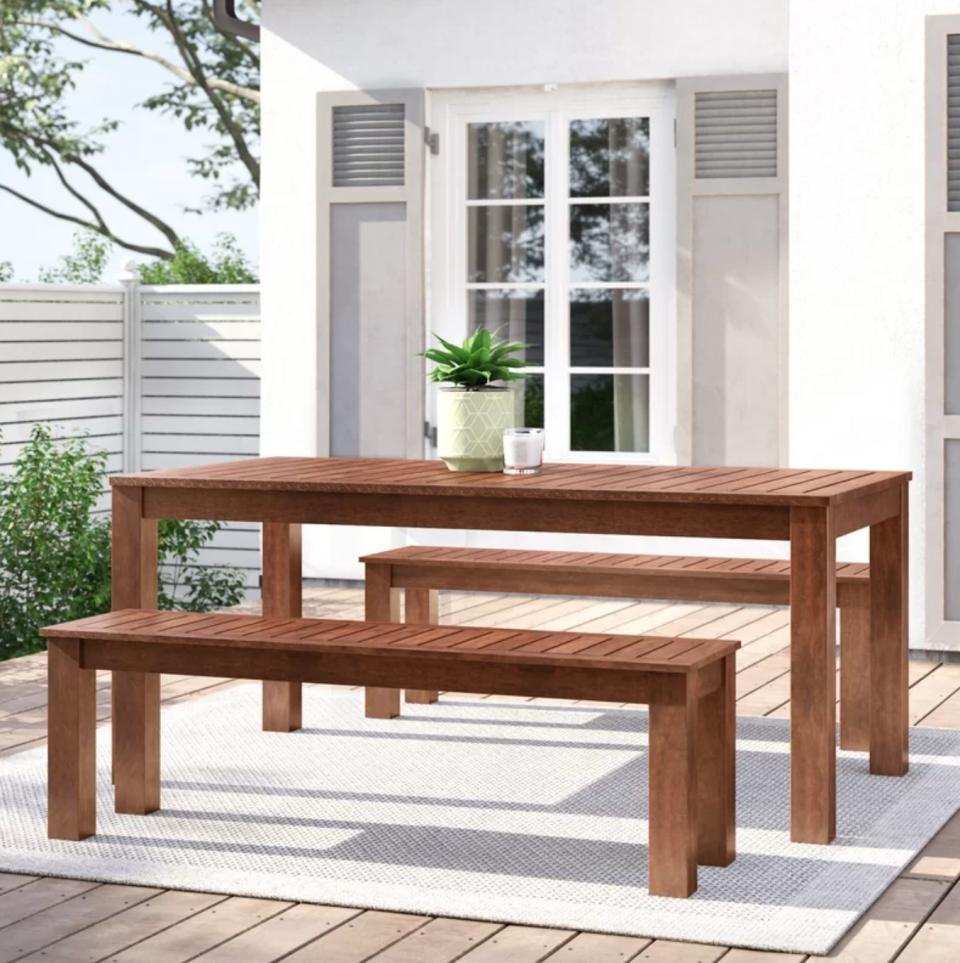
89,225
104,42
168,232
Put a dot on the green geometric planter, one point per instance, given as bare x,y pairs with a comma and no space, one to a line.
470,426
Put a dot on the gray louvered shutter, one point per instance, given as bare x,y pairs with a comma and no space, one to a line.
732,269
368,145
735,133
370,201
953,122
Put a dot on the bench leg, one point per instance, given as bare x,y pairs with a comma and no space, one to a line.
673,787
71,743
422,607
855,675
282,598
381,604
136,707
716,771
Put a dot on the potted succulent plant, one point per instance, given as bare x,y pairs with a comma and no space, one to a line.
473,405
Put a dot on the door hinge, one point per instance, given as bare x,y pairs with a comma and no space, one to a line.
430,433
432,140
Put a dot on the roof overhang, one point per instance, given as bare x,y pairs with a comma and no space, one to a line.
226,19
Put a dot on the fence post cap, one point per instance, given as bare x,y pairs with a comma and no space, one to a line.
130,272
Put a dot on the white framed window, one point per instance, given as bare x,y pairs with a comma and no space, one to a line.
552,217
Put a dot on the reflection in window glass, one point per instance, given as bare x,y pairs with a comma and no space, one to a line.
609,412
610,158
505,160
609,328
530,400
609,242
505,244
516,315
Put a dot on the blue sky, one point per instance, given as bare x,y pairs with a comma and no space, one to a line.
145,158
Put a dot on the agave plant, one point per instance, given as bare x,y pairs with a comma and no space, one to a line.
478,362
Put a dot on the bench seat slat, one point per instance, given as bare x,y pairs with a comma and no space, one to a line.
319,636
593,562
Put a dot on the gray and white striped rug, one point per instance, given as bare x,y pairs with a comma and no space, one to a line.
521,813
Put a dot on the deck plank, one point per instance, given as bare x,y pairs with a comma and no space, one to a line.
440,941
61,920
519,944
202,931
358,939
280,935
134,925
598,948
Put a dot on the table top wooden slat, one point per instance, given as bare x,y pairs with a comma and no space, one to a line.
385,639
738,486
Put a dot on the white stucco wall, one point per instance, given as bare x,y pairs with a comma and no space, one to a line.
319,45
857,245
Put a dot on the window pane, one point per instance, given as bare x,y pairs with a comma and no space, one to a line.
505,244
610,158
516,315
505,160
609,242
609,412
530,398
609,328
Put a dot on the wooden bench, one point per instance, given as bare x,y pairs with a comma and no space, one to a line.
688,684
420,570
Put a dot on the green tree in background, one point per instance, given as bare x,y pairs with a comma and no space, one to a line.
215,88
85,265
227,264
55,547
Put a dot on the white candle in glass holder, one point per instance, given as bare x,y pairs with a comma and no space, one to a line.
522,451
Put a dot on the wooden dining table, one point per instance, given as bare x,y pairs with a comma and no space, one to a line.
809,509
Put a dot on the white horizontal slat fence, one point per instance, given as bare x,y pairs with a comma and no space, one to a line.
156,376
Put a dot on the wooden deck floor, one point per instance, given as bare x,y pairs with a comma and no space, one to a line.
44,919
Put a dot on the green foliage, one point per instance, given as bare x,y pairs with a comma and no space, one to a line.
6,271
55,549
85,265
45,46
228,265
185,585
478,362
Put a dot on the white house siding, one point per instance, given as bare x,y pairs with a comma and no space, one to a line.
311,46
857,245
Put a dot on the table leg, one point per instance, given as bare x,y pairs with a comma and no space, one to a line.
813,754
889,719
136,695
282,590
71,743
421,607
673,832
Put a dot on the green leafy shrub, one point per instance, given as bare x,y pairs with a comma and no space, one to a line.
227,265
476,363
55,548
